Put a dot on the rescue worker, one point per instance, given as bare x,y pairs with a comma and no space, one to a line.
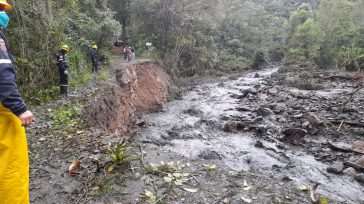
14,117
63,69
93,54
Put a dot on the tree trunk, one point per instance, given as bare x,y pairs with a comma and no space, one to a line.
49,11
124,19
125,40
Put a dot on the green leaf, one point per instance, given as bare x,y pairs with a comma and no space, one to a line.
168,179
323,200
191,190
210,167
177,175
186,175
178,182
246,200
303,188
150,196
246,187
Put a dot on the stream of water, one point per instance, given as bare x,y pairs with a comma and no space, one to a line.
193,127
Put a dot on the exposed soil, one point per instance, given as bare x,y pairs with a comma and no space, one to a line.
254,138
138,89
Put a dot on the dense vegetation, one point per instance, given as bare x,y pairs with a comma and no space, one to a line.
37,30
332,36
190,36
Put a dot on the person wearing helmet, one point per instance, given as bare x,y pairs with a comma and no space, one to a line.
14,117
93,54
63,69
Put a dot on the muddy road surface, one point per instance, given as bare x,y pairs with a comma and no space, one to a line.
237,126
248,139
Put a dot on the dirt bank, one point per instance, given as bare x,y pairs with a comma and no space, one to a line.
138,89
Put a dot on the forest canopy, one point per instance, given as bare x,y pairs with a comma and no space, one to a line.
191,37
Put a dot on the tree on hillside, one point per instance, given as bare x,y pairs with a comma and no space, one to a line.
304,36
342,23
122,14
306,41
297,18
39,27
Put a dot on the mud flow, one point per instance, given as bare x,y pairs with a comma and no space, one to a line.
247,139
255,125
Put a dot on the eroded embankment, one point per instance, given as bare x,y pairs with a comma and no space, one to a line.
137,89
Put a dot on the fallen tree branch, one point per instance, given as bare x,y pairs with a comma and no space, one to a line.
355,166
351,123
154,185
343,149
350,97
338,77
160,199
313,194
335,147
141,154
341,124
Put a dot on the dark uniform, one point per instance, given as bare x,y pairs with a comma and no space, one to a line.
93,54
62,68
9,93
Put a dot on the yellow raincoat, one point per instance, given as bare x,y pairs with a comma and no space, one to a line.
14,164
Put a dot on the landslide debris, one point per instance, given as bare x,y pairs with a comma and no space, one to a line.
137,89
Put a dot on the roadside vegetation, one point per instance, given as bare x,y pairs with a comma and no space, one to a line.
189,37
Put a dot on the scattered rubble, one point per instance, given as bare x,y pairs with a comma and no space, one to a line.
257,138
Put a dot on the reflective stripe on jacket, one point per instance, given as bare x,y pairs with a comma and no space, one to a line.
9,93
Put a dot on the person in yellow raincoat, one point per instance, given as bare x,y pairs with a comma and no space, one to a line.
14,117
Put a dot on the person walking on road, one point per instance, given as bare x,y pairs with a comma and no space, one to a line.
93,54
63,69
132,49
130,54
14,117
126,53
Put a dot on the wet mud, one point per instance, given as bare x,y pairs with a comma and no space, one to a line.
257,125
248,139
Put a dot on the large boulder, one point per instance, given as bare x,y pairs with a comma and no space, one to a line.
294,135
312,118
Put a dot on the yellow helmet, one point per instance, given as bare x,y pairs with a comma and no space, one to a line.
5,4
94,46
65,48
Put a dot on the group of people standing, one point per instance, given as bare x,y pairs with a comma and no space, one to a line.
129,53
62,65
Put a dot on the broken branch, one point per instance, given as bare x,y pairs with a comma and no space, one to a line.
350,97
355,166
141,154
313,194
344,148
351,123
